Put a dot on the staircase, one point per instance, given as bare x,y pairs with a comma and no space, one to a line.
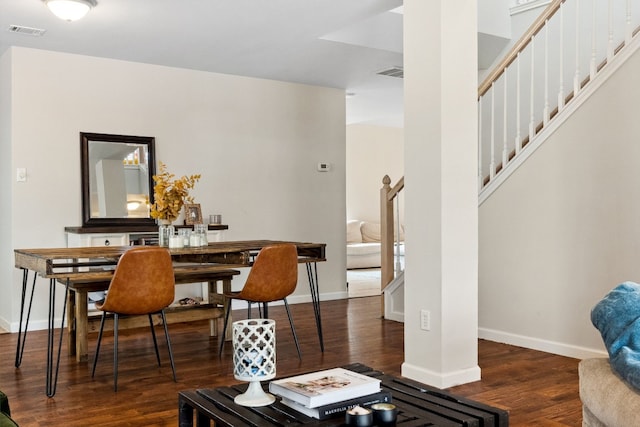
564,57
568,52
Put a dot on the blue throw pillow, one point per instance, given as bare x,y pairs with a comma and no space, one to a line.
617,317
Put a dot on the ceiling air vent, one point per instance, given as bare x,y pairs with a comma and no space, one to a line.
393,72
37,32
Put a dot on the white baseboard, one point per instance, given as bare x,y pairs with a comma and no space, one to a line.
547,346
34,325
295,299
440,380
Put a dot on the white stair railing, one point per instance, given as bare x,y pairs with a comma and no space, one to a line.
573,40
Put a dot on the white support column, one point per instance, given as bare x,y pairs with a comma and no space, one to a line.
441,199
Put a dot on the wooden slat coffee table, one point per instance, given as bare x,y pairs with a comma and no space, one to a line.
418,405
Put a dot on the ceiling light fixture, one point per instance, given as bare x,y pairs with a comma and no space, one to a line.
70,10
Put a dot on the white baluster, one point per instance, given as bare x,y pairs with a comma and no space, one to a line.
518,101
504,121
628,31
545,111
576,77
610,46
492,165
480,177
532,126
561,61
592,63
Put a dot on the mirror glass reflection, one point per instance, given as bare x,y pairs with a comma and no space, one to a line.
117,179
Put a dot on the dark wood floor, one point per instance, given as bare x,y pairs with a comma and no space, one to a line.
538,389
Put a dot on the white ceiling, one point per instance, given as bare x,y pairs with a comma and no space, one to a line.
334,43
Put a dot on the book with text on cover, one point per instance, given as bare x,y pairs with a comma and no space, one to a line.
338,408
325,387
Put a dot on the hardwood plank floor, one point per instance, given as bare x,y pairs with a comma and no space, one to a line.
536,388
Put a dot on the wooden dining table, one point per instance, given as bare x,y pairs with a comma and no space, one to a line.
84,269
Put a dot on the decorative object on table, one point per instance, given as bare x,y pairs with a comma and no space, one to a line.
198,236
192,214
170,194
325,387
185,235
176,241
339,408
165,232
254,359
384,414
359,416
215,219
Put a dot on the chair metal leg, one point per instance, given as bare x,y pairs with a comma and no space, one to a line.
155,341
95,359
166,334
226,322
293,329
115,351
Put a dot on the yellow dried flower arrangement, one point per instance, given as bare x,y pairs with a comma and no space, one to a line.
170,194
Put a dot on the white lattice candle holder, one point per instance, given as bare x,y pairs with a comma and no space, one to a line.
254,358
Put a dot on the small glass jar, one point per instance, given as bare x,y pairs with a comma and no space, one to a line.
194,240
175,242
184,233
201,231
165,232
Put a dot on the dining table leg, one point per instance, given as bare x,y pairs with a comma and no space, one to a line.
312,274
22,333
82,325
51,375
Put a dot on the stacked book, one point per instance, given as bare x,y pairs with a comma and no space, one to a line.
324,394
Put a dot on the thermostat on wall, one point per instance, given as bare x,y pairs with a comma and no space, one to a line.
324,167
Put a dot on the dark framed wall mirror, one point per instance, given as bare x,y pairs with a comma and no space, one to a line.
117,179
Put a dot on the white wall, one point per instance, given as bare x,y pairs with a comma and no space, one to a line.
372,153
255,142
519,23
493,18
565,227
6,257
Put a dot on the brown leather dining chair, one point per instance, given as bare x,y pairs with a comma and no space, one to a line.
273,277
143,284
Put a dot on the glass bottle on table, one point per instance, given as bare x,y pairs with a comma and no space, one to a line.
201,231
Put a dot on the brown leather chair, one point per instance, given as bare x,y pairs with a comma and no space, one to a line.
273,277
143,283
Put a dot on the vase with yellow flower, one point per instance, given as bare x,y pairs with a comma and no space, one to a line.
169,195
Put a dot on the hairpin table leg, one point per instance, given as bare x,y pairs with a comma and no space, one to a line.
312,274
22,337
52,377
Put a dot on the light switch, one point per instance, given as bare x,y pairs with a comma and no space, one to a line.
21,175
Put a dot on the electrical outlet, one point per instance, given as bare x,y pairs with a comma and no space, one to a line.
425,320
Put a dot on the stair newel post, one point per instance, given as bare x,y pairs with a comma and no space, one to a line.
386,236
